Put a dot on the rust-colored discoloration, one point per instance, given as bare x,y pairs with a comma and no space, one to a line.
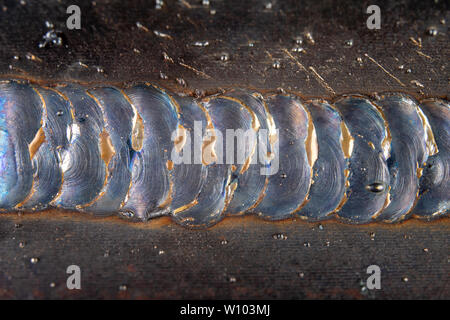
229,221
106,147
38,140
180,139
137,131
312,146
347,141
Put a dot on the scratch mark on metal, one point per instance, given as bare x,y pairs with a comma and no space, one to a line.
295,60
186,4
420,53
321,80
162,34
416,42
18,69
32,57
198,72
141,26
417,83
315,73
167,58
382,68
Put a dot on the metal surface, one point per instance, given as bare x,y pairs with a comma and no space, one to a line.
240,257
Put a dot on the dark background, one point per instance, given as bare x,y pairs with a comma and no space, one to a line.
240,257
